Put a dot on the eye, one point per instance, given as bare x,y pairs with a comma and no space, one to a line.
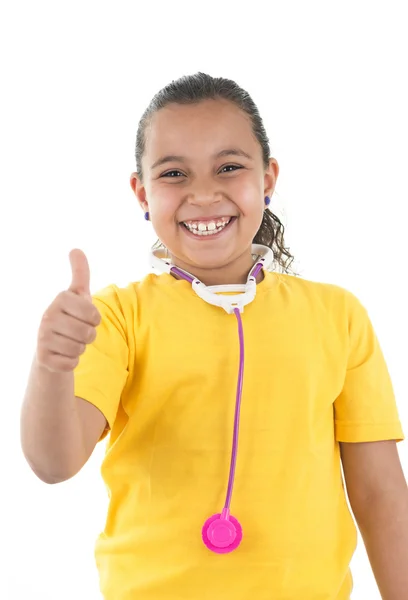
170,173
233,166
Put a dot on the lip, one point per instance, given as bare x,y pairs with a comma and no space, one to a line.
207,219
206,238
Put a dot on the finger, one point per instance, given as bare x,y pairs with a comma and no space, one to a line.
74,329
79,307
59,364
59,344
81,276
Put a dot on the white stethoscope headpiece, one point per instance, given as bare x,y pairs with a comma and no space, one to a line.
211,294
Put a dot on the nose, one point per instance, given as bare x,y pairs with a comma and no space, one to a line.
204,198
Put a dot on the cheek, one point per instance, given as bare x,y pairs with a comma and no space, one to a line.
163,211
252,205
164,205
248,194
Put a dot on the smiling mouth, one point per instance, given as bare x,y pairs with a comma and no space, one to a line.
207,228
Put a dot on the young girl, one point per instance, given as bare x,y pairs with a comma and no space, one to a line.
227,423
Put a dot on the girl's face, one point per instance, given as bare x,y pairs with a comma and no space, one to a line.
204,187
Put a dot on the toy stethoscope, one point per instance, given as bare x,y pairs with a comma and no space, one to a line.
222,532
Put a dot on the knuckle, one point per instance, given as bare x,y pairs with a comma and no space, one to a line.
74,363
42,334
67,364
60,299
93,316
41,355
46,321
44,337
90,335
64,367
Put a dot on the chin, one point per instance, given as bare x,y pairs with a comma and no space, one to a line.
210,259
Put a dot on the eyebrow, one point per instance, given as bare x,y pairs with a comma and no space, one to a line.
176,158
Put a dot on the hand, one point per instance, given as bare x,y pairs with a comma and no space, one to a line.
70,322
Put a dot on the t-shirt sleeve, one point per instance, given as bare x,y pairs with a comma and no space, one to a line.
101,374
366,409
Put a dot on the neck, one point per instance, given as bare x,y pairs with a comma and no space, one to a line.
235,273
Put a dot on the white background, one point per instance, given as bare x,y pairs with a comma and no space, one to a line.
330,82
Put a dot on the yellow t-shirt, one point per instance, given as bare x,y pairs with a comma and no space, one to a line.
163,369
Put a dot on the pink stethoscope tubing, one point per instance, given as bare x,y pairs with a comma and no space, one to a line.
222,533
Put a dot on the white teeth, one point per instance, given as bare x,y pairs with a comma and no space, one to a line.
210,228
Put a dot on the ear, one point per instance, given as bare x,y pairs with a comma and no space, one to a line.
271,175
139,191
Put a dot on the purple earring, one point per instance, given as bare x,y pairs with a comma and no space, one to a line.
146,216
267,200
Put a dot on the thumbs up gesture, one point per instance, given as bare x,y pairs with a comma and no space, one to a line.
70,322
81,276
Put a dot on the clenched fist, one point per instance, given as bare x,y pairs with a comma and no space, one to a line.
70,322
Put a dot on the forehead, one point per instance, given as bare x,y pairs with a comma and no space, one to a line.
193,128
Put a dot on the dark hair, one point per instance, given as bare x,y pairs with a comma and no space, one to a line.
192,89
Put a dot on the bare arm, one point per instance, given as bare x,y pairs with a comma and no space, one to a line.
378,495
58,431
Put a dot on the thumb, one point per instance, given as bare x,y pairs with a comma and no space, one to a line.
81,276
